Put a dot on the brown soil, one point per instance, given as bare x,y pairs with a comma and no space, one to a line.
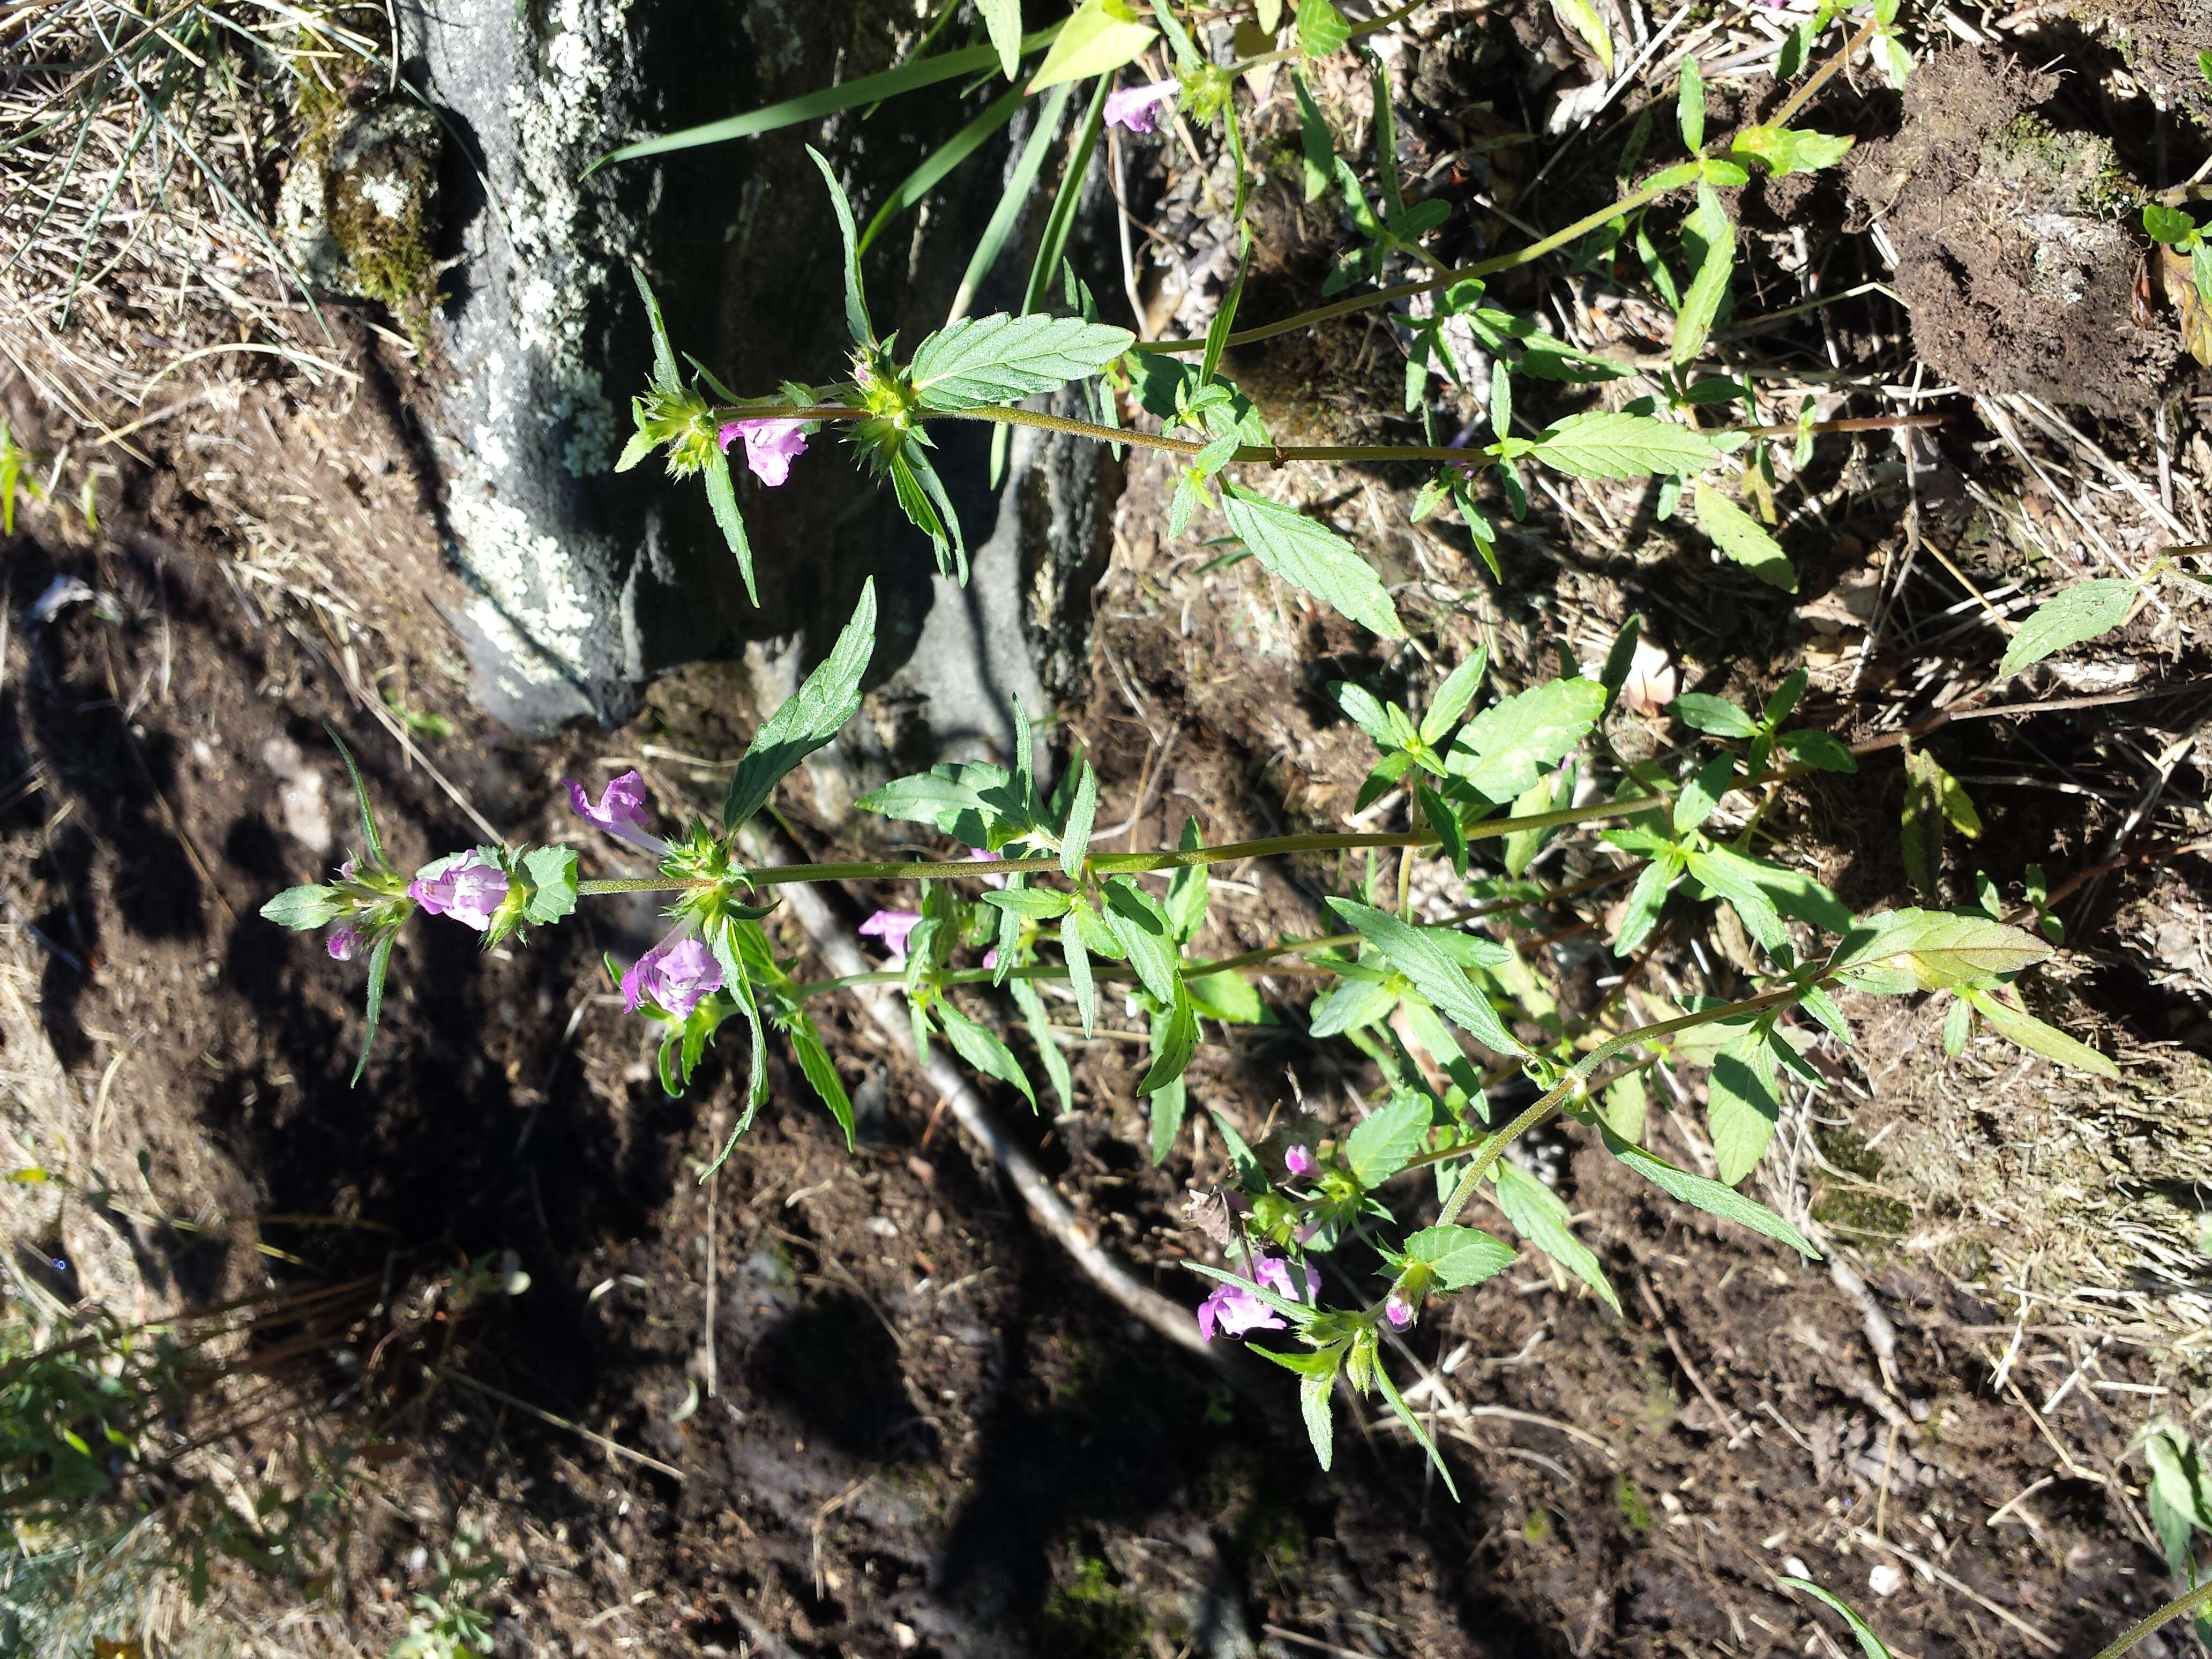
2159,40
2018,272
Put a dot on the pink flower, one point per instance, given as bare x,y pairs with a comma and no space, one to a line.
892,927
467,886
620,810
1397,1310
985,855
344,942
674,975
991,958
1299,1161
770,447
1134,107
1232,1310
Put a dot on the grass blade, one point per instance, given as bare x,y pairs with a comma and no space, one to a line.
926,177
828,100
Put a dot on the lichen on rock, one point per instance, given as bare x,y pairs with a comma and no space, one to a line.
358,212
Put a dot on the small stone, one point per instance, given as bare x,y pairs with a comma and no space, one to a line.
1886,1578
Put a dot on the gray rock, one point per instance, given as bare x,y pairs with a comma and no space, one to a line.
584,584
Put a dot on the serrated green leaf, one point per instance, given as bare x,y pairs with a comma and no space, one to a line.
1386,1140
1708,1195
1169,1103
856,302
943,797
1645,900
1605,443
1743,539
722,497
2069,619
819,1070
1701,796
1432,971
1100,38
1075,838
1459,1256
302,908
1321,29
379,960
1315,1389
982,1048
1312,558
1503,751
1040,902
1741,1106
1001,358
809,718
1366,712
1897,952
552,872
1541,1217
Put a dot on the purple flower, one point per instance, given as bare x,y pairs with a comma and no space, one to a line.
1397,1311
892,927
991,958
344,942
1232,1310
467,886
674,975
770,447
620,810
1134,107
1299,1161
985,855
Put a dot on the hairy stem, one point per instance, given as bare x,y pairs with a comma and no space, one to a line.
1825,73
1273,454
1577,1082
2201,1597
1529,255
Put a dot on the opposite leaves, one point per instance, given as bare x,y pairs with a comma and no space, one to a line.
1313,557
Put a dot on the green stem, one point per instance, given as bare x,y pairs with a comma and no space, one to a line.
1825,73
2201,1597
1117,864
1576,1081
1272,454
1528,255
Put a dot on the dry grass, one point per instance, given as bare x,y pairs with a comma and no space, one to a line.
135,145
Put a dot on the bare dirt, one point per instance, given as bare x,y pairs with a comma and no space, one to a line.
2017,276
